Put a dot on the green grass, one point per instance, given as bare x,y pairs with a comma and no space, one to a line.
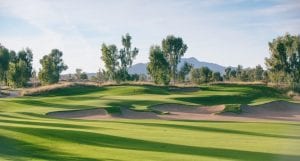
27,134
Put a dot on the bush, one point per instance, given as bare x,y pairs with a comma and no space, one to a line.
234,108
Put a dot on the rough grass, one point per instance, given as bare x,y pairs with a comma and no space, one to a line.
27,134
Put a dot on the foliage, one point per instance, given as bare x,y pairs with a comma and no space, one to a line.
158,67
216,77
117,64
110,59
127,54
4,62
184,71
78,73
235,108
201,75
83,76
20,68
52,66
284,61
173,49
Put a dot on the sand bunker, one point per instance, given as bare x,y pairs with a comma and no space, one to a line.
278,110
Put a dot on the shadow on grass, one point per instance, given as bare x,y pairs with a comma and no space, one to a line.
38,103
246,94
105,140
71,91
212,129
13,149
47,124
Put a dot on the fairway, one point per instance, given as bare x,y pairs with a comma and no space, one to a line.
27,133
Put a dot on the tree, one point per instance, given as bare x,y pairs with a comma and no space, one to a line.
227,73
78,73
284,60
52,66
266,78
239,70
195,75
110,58
216,77
232,75
205,75
20,68
83,76
158,67
127,54
102,75
184,70
201,75
258,76
173,49
117,64
4,62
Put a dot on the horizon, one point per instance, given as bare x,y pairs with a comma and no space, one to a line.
213,30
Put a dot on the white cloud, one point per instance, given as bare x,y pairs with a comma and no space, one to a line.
78,28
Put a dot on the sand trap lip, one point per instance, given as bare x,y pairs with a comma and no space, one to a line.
277,110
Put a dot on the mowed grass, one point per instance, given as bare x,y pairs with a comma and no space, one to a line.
26,133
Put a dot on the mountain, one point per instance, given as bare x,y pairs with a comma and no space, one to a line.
141,68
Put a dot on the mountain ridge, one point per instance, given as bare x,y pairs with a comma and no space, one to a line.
141,68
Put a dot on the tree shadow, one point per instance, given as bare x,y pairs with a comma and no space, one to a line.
13,149
244,94
105,140
37,103
48,124
71,91
212,129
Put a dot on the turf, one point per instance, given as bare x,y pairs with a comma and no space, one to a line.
27,134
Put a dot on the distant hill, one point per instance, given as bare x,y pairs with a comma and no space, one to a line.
141,68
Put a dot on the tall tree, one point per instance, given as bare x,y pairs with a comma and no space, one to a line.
20,68
227,73
216,77
126,56
173,48
52,66
4,62
158,66
258,75
206,75
239,70
78,73
201,75
83,76
110,58
284,60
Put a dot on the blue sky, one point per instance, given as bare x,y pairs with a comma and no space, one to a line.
227,32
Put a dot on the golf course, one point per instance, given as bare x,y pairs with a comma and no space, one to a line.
144,80
29,132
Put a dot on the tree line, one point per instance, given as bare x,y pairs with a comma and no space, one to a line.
16,67
283,65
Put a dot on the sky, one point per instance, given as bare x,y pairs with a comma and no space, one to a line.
226,32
